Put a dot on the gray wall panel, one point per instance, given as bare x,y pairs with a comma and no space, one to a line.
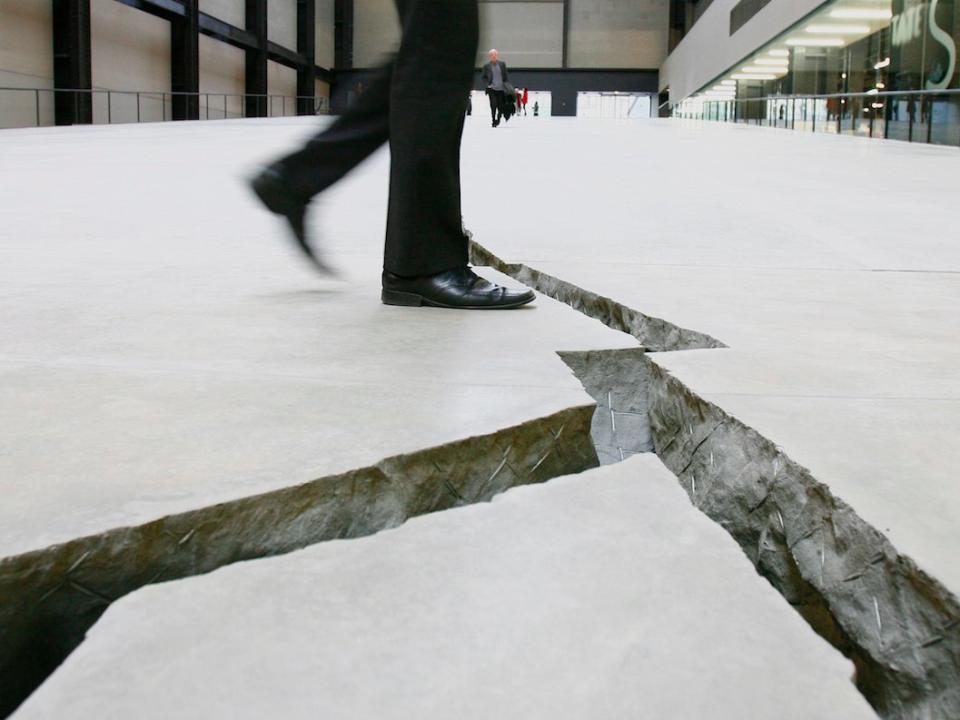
618,33
527,34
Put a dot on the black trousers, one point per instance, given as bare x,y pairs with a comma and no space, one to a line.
417,103
497,98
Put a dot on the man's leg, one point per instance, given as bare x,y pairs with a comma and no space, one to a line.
287,186
492,96
352,137
432,75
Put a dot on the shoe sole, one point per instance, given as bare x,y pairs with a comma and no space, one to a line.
405,299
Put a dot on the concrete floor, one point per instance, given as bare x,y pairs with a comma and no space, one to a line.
605,595
164,350
830,266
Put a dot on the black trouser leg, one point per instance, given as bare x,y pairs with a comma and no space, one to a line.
494,106
353,137
432,76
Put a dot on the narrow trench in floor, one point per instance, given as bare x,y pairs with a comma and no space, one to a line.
899,626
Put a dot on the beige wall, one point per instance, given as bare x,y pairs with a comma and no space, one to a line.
130,50
230,11
618,33
222,73
527,34
26,60
325,49
708,50
282,80
376,32
282,22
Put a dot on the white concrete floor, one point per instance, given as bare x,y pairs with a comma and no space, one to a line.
605,595
830,266
162,350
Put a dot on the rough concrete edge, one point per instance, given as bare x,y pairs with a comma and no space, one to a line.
654,333
899,625
621,425
50,597
908,666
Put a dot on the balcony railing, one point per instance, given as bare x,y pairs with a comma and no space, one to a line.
39,107
915,116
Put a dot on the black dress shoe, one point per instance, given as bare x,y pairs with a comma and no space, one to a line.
276,195
458,289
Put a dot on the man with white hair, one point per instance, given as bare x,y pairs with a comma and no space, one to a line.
495,75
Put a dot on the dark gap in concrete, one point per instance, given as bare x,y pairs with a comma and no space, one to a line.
655,334
621,422
899,626
50,597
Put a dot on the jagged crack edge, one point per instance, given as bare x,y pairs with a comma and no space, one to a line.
901,679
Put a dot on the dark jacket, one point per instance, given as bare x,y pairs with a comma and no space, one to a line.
488,73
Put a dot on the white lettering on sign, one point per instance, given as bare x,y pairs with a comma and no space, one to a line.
945,39
910,25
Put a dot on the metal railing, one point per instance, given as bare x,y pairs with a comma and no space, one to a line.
925,116
40,107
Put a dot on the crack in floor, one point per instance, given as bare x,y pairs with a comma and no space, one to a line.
53,595
899,626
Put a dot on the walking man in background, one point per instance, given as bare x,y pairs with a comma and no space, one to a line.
494,76
416,103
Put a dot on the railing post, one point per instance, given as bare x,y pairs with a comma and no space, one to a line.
109,109
37,98
138,108
910,113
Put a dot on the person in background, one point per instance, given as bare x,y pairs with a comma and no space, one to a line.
526,97
519,100
417,103
495,74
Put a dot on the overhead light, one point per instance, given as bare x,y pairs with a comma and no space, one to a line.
815,42
872,91
861,14
772,61
744,76
780,53
839,29
876,106
728,82
882,64
753,70
881,85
